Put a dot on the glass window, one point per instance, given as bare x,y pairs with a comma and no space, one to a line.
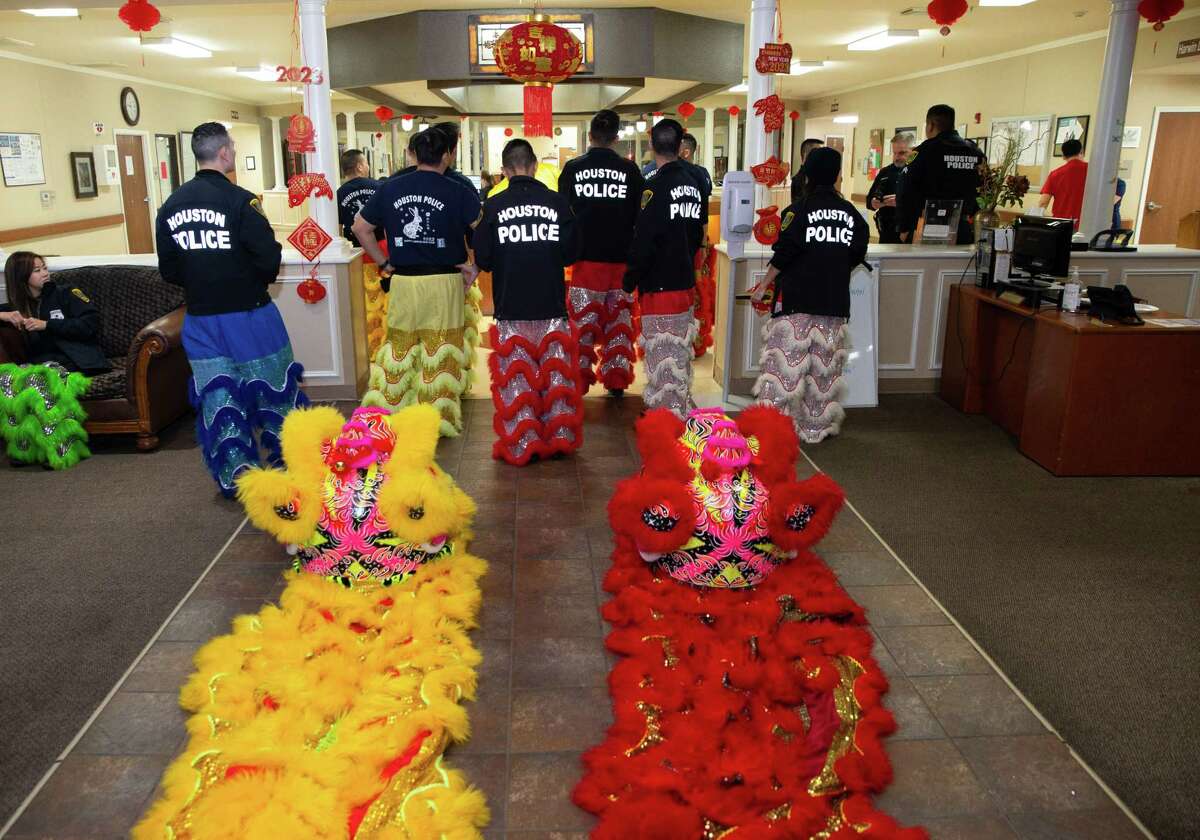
1032,133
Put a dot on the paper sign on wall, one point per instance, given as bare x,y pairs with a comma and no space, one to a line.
98,128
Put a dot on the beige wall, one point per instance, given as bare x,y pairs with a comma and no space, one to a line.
61,105
1062,81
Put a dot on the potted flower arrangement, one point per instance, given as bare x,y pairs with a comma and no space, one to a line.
1000,185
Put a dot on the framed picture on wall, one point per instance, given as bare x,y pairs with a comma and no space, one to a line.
1070,128
981,142
251,163
83,174
836,141
187,161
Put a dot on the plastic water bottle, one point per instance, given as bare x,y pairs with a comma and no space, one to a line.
1072,291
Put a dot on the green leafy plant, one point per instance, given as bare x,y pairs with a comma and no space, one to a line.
999,183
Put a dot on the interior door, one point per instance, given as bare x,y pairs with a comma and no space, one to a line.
135,193
1170,197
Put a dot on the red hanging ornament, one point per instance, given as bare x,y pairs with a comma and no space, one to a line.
301,136
378,135
406,121
774,58
686,109
766,229
770,172
946,13
311,290
310,239
139,15
1159,12
734,110
770,108
539,54
793,115
305,184
383,113
508,132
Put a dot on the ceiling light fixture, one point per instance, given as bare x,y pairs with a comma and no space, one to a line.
883,40
846,119
640,126
744,87
258,72
52,12
799,68
174,46
1005,2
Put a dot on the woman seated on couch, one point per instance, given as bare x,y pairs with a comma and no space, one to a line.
60,325
61,331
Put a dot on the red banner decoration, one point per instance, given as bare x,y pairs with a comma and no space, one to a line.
310,239
770,108
686,109
734,110
299,75
383,113
774,58
139,15
311,290
301,136
539,54
766,229
770,172
946,13
302,186
793,115
1159,12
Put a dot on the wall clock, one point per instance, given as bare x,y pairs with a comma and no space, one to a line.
131,109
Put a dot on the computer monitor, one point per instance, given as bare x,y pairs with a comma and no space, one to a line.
1042,245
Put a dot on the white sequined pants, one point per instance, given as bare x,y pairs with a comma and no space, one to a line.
666,343
802,362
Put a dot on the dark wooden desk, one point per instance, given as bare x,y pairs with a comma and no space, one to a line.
1081,397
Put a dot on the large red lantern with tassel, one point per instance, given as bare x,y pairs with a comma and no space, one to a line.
383,113
946,13
686,109
539,54
1159,12
139,15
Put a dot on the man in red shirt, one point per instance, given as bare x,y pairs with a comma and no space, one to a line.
1065,184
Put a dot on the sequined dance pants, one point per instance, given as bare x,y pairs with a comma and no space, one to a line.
244,381
535,389
802,362
668,334
603,312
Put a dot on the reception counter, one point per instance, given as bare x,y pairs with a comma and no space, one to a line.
328,337
913,286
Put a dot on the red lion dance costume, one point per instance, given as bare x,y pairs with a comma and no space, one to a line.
747,704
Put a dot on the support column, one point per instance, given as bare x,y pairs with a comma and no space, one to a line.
397,148
709,138
762,31
277,154
315,49
1109,126
637,146
732,143
464,145
351,131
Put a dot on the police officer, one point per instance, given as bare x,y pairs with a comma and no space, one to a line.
603,189
823,239
882,196
427,218
661,269
945,166
356,190
526,238
450,131
215,242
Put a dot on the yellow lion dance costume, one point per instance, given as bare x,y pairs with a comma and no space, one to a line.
327,716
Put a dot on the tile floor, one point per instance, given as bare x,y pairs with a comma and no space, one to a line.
970,760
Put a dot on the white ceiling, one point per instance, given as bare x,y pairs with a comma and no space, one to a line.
253,33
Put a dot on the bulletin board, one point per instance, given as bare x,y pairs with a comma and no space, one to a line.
21,159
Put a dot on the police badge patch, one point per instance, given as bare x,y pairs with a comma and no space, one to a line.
646,196
257,205
81,295
787,220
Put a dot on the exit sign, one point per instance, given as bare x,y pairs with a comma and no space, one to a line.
1188,48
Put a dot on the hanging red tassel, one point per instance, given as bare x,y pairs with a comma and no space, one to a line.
793,115
139,15
539,109
383,113
946,13
1159,12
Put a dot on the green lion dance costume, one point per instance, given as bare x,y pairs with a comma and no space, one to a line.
41,418
327,717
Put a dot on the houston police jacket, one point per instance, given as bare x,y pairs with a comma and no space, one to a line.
214,240
72,334
527,235
603,189
944,167
669,231
823,238
887,181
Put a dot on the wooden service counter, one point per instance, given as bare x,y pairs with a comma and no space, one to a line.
1082,397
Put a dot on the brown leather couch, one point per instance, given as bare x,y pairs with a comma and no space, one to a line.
141,327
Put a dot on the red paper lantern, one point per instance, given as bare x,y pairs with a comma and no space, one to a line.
508,132
686,109
539,54
946,13
378,135
311,290
383,113
139,15
793,115
734,110
766,229
1159,12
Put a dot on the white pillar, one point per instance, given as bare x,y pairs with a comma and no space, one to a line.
637,146
351,131
762,31
464,144
1109,126
733,143
707,155
397,149
277,154
315,49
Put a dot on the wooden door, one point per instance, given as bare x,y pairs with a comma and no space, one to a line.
135,193
1169,197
